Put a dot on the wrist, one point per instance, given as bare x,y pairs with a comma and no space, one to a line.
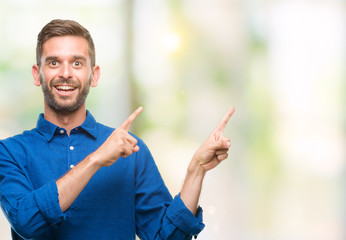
192,185
195,174
195,168
95,160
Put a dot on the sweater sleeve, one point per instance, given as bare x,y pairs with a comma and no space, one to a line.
158,216
30,211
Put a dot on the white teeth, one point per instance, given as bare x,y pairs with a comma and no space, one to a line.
65,88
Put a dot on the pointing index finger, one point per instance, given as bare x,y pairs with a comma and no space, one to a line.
127,123
221,126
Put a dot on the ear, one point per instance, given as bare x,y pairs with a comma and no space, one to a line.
36,74
95,76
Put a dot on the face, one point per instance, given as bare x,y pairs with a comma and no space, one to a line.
65,73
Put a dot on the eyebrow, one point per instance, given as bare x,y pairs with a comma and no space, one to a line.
80,58
52,58
76,57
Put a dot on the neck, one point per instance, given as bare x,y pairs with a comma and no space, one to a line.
66,120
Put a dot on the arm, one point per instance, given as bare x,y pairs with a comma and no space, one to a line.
119,144
157,216
208,156
31,212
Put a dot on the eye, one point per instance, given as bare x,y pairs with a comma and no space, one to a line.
53,63
77,64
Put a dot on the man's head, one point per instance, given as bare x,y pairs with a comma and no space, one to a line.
59,28
65,66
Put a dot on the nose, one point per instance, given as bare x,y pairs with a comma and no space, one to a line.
65,71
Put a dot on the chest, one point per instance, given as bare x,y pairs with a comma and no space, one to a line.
47,161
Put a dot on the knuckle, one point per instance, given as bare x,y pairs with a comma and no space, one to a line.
121,149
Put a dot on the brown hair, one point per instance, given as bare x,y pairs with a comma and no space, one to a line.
58,28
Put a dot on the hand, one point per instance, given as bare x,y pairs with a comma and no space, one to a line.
215,148
119,144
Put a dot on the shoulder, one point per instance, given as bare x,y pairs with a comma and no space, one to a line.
24,137
103,128
19,145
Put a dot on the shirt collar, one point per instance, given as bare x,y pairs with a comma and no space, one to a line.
89,125
48,129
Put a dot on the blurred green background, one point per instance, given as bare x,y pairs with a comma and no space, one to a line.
280,63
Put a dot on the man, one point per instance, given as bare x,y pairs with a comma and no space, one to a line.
74,178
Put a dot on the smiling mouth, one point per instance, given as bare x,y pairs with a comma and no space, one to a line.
65,88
